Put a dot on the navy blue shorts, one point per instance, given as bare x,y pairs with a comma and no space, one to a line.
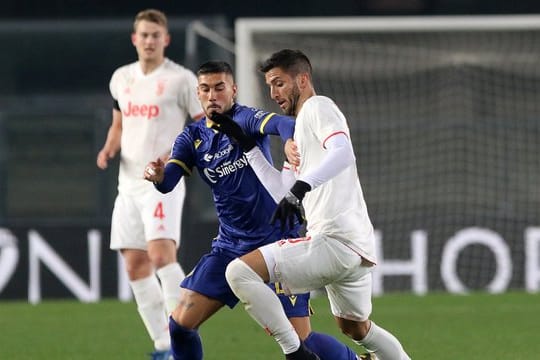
208,278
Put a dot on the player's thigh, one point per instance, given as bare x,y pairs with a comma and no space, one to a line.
350,297
305,264
208,277
127,229
162,214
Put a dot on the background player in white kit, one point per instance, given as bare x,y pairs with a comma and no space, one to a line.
152,99
338,250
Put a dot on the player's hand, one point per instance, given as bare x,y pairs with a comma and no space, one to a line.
229,127
154,171
290,207
103,157
291,152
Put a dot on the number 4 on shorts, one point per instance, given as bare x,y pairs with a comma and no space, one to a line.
158,211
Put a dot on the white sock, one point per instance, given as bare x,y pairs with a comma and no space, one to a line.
151,308
385,345
262,304
171,275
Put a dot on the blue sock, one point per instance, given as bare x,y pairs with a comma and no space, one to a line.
328,348
185,343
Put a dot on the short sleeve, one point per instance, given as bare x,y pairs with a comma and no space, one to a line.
113,85
326,119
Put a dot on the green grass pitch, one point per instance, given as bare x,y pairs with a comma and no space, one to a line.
436,326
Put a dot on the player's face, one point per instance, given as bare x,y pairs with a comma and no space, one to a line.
150,40
216,92
284,90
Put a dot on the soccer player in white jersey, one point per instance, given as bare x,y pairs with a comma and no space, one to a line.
152,99
338,250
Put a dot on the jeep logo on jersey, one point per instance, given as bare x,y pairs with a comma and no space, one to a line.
147,111
225,169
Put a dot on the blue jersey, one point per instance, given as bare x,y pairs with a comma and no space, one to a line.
244,207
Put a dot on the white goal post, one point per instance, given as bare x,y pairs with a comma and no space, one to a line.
444,113
246,28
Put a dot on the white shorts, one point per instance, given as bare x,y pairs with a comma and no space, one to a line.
149,215
317,261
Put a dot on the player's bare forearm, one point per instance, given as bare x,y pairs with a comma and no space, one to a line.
111,146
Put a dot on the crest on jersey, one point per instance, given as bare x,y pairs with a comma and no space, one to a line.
129,82
160,87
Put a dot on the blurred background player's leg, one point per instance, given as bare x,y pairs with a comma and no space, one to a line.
148,296
162,214
171,276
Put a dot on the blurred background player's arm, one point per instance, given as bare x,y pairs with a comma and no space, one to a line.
112,143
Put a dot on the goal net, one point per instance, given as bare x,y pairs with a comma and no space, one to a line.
444,114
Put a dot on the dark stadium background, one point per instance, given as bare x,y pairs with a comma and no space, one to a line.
231,9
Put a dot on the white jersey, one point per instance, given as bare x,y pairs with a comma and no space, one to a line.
337,207
154,110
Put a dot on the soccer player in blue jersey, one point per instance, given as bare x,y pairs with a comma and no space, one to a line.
243,208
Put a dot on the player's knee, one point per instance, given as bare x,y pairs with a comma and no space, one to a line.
137,271
357,330
178,329
239,273
177,315
160,259
161,252
233,272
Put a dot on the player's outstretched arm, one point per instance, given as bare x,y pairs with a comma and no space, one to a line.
229,127
164,177
275,182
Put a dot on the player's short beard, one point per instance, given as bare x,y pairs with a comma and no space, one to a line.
294,97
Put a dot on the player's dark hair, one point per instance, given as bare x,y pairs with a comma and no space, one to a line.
293,62
215,67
